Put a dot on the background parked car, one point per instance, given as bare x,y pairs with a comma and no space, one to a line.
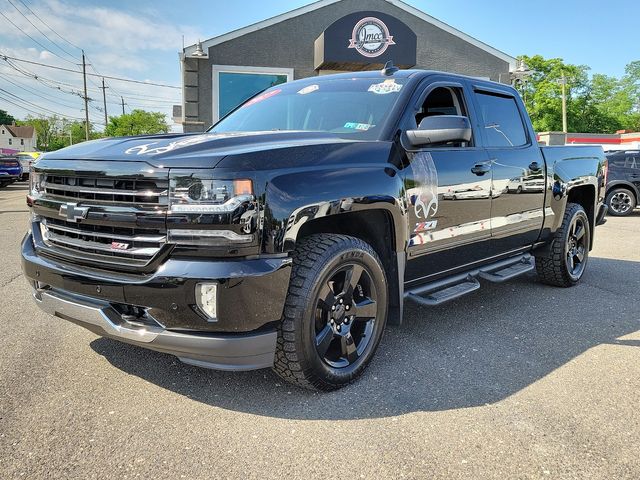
26,159
623,187
10,170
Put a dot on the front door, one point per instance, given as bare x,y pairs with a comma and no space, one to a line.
448,192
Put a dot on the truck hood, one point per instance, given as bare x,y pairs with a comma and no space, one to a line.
191,150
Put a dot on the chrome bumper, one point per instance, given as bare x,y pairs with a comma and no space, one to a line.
220,352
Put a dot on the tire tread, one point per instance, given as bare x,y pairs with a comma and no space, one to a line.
307,263
551,270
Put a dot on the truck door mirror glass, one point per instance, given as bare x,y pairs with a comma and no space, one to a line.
441,129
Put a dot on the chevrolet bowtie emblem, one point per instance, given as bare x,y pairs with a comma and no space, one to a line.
72,212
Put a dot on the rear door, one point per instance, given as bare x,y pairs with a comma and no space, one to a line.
448,190
518,170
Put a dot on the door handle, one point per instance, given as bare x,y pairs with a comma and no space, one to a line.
534,166
481,169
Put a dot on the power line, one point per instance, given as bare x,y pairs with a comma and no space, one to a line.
46,110
36,41
46,25
34,92
5,57
43,34
139,96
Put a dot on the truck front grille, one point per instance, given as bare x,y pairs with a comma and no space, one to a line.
107,190
101,244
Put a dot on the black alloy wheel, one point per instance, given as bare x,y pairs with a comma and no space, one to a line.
345,315
577,247
334,314
564,264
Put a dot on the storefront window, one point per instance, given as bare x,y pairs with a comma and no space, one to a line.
235,85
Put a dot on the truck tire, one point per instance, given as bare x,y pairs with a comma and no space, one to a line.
621,202
334,314
570,245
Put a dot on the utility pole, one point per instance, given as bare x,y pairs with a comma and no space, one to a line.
104,99
563,82
122,98
86,98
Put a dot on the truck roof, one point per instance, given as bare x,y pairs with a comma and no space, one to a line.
409,73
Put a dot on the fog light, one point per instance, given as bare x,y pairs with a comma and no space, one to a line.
206,297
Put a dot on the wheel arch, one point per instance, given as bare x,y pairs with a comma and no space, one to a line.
585,195
624,184
378,228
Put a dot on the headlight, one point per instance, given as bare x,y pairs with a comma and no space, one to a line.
207,211
36,183
197,192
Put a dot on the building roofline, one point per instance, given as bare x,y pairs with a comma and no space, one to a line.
324,3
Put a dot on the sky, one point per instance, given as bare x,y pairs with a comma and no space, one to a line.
140,40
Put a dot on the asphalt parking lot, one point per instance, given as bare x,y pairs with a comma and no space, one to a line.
518,380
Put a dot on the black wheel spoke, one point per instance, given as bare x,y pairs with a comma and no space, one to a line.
351,278
348,298
324,339
366,309
348,347
580,254
326,296
571,264
579,232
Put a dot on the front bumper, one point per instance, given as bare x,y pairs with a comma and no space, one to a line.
12,175
230,352
251,296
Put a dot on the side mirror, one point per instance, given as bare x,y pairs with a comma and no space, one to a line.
441,129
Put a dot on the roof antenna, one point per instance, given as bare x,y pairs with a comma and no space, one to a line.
389,69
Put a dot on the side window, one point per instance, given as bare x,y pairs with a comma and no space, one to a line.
443,101
501,120
632,162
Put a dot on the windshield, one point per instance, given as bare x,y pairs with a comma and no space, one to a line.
353,108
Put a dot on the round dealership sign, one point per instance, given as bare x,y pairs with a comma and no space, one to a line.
371,37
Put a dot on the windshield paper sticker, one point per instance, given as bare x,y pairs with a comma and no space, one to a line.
388,86
363,127
309,89
262,97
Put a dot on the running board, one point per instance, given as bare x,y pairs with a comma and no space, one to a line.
504,274
439,292
446,294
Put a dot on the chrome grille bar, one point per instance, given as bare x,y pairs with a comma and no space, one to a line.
51,237
126,238
107,190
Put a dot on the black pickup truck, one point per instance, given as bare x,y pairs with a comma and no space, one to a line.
291,233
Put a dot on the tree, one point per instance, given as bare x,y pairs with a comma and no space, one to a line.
55,133
542,91
138,122
596,104
46,130
5,118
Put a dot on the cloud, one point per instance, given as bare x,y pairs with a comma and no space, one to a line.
131,44
107,27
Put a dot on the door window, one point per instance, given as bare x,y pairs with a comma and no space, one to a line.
501,121
443,101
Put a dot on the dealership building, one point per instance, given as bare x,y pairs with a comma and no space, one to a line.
328,36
